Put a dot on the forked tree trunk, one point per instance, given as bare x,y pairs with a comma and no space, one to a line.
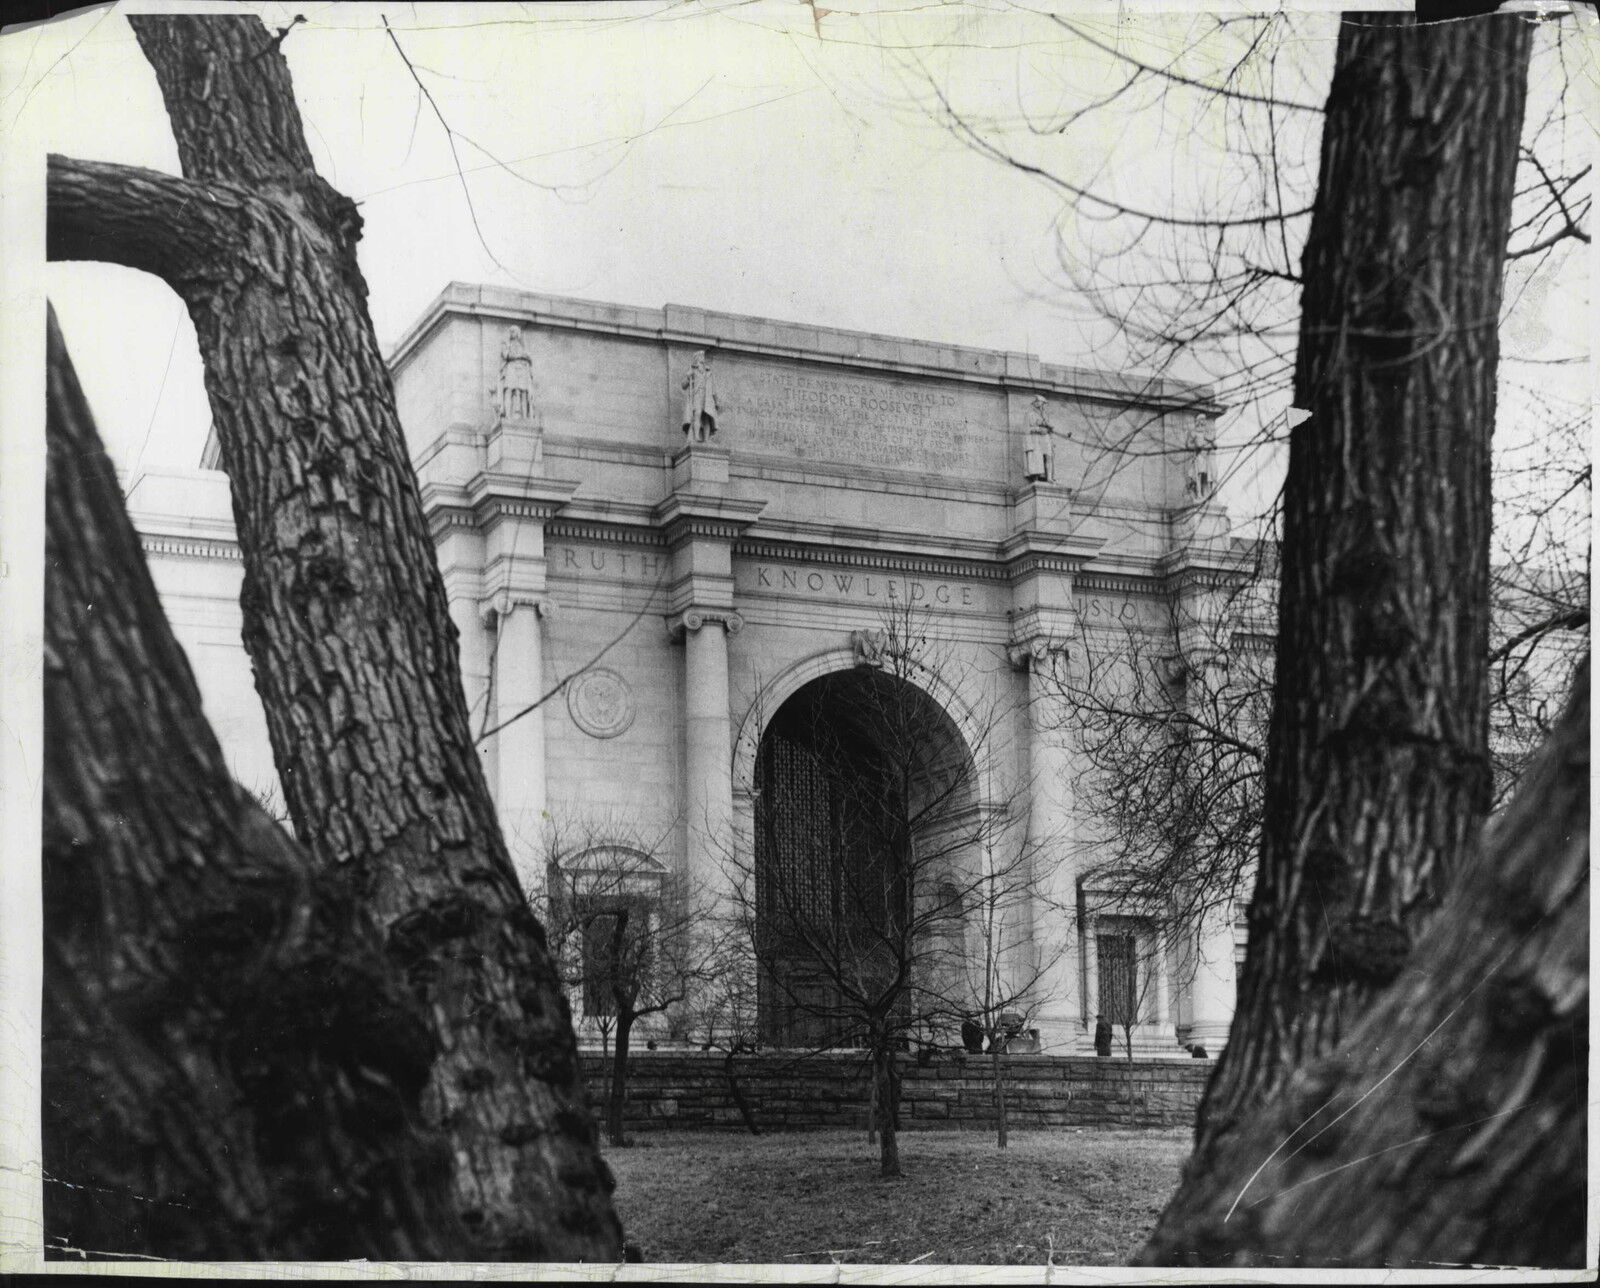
1449,1127
1377,777
345,615
214,1014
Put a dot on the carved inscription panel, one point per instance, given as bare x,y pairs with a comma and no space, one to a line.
851,584
853,419
1096,610
608,563
1101,611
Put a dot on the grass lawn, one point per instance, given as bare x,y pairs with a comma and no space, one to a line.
1086,1197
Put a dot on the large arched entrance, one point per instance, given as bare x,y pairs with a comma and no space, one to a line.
865,798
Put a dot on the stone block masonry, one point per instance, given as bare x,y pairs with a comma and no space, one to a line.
953,1092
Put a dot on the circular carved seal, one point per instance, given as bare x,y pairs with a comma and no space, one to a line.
600,703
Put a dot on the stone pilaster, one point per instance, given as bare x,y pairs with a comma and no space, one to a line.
517,717
511,513
1213,985
1042,554
702,522
708,740
1051,842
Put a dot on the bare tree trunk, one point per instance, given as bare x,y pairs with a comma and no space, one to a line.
886,1080
1002,1138
617,1098
1377,769
1127,1073
1449,1127
873,1099
737,1092
345,616
212,1011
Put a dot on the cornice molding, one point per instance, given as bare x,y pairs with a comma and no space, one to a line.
494,509
1201,579
885,561
686,528
1005,372
1037,561
686,515
597,530
1252,642
190,547
442,517
1118,584
1065,552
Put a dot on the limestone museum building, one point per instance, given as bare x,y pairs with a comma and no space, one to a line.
706,523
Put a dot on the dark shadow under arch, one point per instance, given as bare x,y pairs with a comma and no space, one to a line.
855,775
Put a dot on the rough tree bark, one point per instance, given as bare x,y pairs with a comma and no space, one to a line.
1377,773
1449,1128
345,613
232,1069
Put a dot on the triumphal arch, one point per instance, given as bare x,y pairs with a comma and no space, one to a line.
703,539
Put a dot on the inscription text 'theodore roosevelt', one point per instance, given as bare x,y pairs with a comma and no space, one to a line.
839,419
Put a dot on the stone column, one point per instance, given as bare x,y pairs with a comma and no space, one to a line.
517,682
708,794
473,639
1051,842
1212,989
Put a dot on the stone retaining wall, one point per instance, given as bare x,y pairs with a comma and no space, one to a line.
690,1089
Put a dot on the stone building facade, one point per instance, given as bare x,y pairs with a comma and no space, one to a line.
690,517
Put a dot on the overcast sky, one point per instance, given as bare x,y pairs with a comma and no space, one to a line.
763,157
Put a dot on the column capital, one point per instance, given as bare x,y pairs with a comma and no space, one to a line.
497,607
1041,654
1195,664
692,619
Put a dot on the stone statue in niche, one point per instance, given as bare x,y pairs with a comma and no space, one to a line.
516,378
1039,455
700,411
1200,477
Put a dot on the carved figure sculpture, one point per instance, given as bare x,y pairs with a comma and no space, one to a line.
1201,478
1039,455
871,647
699,421
516,378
